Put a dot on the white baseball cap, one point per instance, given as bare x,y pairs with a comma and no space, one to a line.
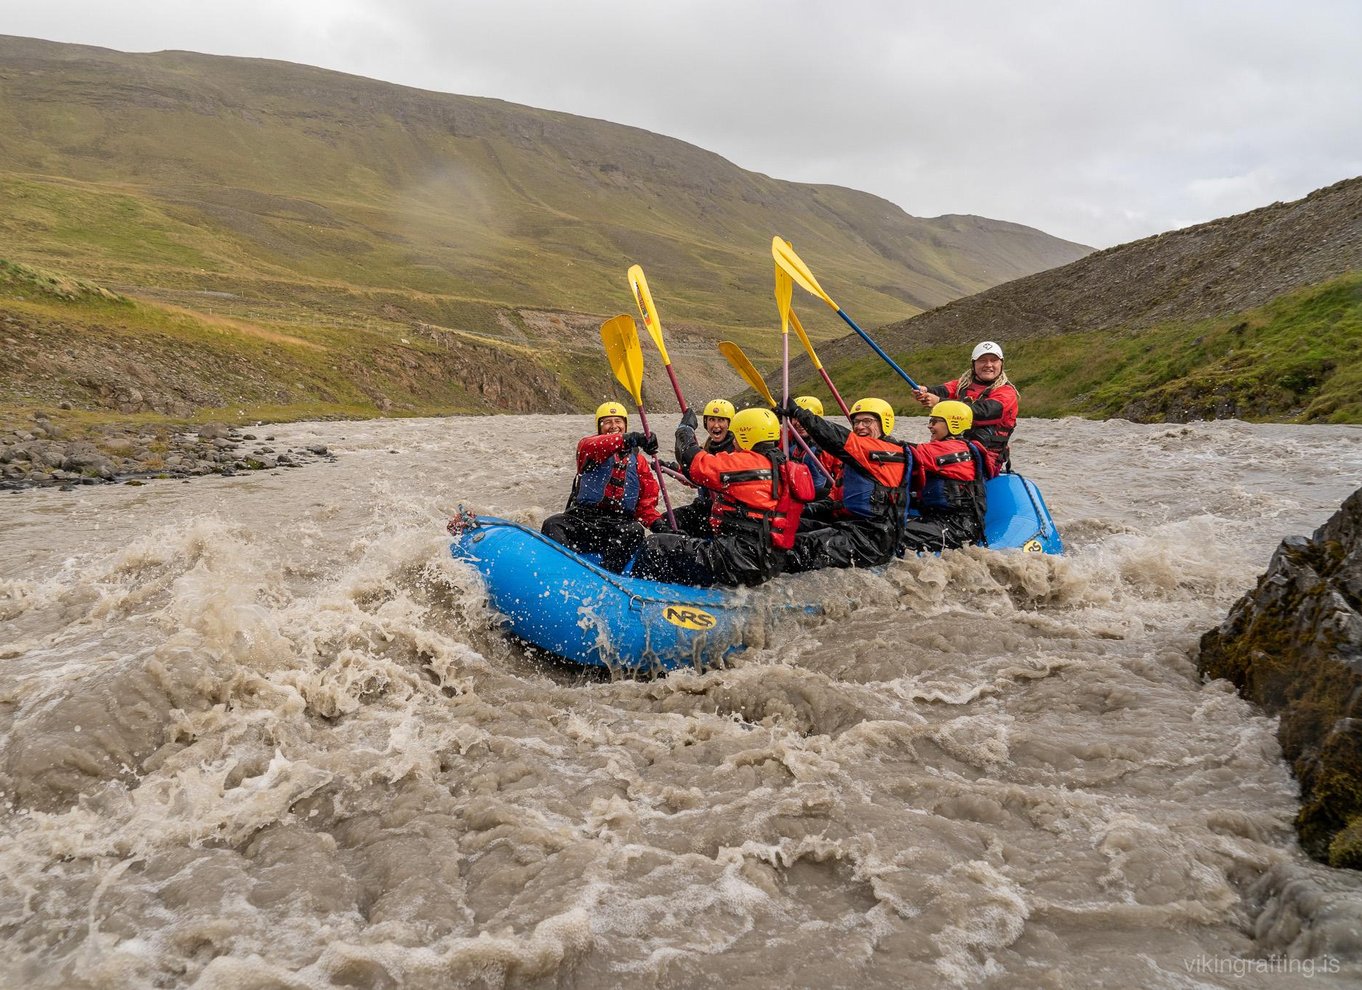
987,347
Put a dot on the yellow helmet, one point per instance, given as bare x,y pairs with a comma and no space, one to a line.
610,409
810,402
880,408
719,407
752,426
958,416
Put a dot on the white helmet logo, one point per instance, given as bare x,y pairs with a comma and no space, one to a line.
987,347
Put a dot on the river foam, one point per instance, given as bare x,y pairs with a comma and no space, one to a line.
262,732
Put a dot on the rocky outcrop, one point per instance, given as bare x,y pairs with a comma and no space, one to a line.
1294,646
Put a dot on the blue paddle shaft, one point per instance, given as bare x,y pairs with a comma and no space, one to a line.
887,359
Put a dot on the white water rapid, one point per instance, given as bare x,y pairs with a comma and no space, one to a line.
257,732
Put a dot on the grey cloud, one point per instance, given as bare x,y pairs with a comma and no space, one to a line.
1096,121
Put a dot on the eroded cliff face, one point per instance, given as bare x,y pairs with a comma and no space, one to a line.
1294,646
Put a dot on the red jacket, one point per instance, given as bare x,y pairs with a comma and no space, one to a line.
944,476
995,410
716,471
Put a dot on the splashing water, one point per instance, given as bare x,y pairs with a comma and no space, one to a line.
262,732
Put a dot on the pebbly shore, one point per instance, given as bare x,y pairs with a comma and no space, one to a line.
42,454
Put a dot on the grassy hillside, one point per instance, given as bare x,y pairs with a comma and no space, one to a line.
290,184
81,353
1293,359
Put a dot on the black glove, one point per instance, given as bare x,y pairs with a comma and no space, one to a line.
686,446
649,443
636,440
660,525
689,420
789,411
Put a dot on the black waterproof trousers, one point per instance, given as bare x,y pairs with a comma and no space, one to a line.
843,543
731,558
691,520
941,531
614,536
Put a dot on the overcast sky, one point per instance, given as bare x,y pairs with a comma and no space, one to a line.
1096,121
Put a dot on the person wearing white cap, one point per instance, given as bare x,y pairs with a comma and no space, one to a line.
992,399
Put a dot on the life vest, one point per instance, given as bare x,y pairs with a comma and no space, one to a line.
611,484
866,492
954,480
995,433
769,498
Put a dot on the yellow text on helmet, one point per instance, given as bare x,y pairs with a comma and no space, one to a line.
958,416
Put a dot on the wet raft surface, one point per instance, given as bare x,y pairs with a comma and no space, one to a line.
258,732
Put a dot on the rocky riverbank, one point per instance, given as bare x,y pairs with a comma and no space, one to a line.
45,454
1294,646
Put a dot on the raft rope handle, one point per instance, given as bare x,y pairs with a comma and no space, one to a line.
1040,516
461,520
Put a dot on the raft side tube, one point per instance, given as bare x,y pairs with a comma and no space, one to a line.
1018,518
560,602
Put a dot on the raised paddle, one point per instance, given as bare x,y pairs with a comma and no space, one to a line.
648,310
786,259
813,356
620,337
784,291
734,356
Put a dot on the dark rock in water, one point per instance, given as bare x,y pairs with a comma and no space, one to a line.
1294,646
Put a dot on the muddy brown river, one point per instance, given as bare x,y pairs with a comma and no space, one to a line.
261,732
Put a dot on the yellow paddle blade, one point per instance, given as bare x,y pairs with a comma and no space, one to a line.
733,355
784,290
620,336
647,309
804,339
797,270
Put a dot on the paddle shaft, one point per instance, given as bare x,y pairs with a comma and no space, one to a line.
841,402
810,457
677,475
785,430
877,349
680,399
657,468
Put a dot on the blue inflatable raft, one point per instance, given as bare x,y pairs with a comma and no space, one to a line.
567,605
564,603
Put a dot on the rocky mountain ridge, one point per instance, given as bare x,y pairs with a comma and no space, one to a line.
1224,265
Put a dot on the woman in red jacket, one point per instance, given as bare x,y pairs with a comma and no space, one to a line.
614,495
992,399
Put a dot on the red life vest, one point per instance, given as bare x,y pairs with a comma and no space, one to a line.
761,489
994,433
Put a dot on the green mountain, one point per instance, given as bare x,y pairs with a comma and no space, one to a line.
349,213
1256,317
